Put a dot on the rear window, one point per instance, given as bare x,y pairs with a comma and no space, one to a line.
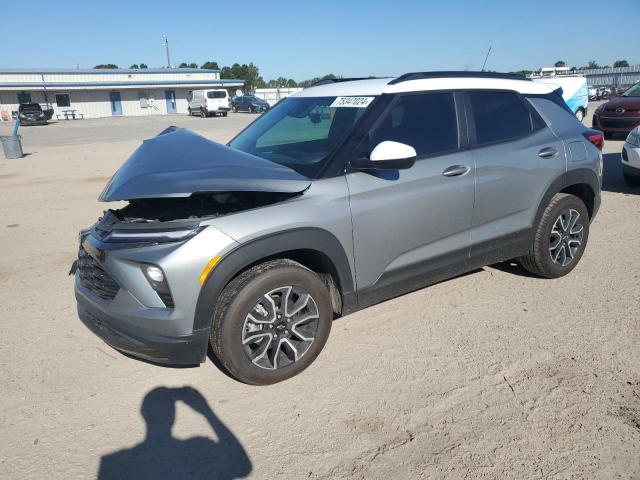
217,94
426,121
498,117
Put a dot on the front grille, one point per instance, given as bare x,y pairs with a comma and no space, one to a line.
618,122
95,278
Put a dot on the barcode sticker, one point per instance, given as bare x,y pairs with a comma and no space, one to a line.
354,102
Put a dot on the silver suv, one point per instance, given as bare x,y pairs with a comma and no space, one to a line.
343,195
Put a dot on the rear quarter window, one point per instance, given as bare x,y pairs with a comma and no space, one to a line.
498,117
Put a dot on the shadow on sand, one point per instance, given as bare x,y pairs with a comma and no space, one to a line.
162,456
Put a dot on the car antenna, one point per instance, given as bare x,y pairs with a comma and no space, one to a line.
485,59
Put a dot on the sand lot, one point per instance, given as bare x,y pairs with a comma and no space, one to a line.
494,374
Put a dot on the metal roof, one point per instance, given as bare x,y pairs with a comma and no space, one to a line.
102,71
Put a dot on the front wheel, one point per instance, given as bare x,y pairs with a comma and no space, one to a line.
271,322
580,115
204,113
560,237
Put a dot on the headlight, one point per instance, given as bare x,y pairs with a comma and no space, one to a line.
165,236
634,137
156,278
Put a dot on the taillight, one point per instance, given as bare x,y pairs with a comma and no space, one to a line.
595,137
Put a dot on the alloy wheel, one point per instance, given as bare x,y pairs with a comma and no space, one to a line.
280,328
566,237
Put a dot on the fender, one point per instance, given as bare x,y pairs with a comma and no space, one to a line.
569,178
253,251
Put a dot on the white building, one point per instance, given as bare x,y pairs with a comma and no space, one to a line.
103,93
274,95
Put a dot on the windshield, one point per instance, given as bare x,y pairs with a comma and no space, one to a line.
633,91
299,133
217,94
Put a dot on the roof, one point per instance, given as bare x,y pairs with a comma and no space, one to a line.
130,84
102,71
379,86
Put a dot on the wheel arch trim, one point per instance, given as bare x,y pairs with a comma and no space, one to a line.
579,176
269,246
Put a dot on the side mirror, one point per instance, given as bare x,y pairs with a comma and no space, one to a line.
389,155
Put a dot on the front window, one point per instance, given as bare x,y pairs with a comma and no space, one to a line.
633,91
300,133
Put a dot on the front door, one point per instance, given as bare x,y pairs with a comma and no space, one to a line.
116,103
170,98
409,223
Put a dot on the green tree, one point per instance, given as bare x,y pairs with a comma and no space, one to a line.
143,65
135,66
188,65
592,65
620,63
291,83
210,65
106,66
560,63
249,73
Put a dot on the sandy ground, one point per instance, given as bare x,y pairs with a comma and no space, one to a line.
494,374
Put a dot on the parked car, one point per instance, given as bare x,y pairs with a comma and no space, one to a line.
255,247
207,102
631,158
249,103
575,92
47,108
620,114
31,114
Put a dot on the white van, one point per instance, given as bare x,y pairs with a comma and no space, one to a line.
575,90
207,102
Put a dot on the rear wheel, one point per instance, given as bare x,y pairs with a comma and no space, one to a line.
204,113
190,111
224,114
560,237
271,322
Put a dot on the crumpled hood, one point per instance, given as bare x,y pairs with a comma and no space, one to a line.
179,162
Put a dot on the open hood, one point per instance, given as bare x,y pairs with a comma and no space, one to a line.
179,163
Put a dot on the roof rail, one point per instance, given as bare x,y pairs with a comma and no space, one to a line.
455,74
326,81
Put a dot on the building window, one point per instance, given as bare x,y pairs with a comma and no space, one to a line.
24,98
63,100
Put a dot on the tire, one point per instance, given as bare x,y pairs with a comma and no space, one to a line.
234,109
204,113
631,180
190,112
556,215
238,340
224,114
580,115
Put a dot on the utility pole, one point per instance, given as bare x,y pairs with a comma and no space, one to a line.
166,46
485,59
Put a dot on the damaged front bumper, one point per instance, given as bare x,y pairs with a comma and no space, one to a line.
118,303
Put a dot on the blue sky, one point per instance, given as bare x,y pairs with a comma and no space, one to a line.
302,39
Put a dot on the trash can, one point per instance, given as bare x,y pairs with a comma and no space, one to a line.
12,146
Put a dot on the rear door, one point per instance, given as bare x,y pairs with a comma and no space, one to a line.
517,157
408,223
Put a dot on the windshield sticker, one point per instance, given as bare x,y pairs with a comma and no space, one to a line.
355,102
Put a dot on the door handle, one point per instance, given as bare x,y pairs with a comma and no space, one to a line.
455,170
547,152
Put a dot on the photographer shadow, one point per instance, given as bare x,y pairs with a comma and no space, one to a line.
161,455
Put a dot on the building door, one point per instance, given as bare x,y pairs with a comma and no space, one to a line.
116,103
170,97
